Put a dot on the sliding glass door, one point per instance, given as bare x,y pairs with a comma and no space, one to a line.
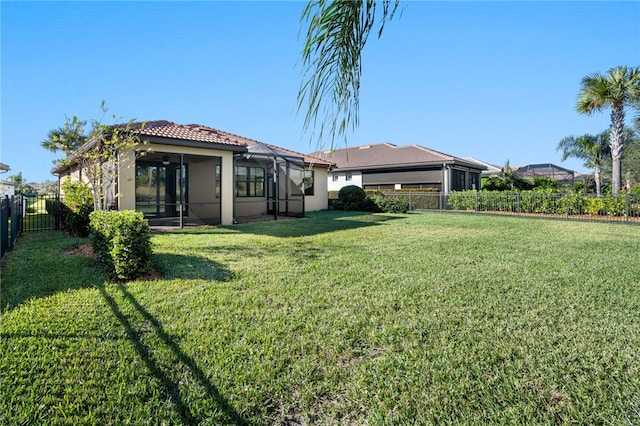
161,189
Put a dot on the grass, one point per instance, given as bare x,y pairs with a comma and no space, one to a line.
338,318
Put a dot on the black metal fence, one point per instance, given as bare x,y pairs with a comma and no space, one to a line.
10,222
41,213
621,208
27,213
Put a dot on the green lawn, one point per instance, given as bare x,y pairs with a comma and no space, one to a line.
335,319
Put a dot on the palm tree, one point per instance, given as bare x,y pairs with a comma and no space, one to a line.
617,90
331,57
592,149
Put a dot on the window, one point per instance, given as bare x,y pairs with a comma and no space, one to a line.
308,182
474,179
458,180
349,177
334,178
249,181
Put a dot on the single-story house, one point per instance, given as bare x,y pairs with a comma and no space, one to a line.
387,166
547,170
194,174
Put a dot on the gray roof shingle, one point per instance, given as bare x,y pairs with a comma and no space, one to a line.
384,155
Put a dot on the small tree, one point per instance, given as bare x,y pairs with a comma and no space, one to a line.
22,187
592,149
97,153
49,187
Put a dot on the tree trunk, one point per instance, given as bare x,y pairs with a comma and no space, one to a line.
617,144
597,175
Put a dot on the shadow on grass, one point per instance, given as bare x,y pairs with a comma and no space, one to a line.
316,223
171,385
40,265
179,266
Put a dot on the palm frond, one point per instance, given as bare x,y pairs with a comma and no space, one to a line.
331,57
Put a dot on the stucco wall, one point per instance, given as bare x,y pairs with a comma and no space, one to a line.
320,198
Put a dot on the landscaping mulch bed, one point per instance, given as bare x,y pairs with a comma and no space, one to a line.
86,250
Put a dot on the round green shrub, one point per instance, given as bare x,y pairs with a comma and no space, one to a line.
352,197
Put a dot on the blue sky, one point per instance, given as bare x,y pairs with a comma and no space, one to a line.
493,80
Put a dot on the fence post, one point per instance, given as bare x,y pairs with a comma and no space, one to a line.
4,225
518,202
627,210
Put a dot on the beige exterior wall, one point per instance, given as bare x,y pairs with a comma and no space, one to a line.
320,198
202,192
250,206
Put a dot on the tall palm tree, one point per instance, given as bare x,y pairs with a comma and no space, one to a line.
592,149
618,89
331,58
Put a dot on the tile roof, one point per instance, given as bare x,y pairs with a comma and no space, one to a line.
385,155
198,132
190,132
173,133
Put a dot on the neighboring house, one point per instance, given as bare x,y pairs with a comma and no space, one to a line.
546,170
6,188
193,174
387,166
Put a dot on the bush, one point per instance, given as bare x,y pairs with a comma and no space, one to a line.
122,242
78,204
390,204
353,197
53,206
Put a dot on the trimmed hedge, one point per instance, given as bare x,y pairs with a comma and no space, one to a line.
121,241
544,202
387,204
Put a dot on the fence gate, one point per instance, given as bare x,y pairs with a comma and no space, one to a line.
41,213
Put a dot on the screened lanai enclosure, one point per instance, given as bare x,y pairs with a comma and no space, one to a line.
182,190
269,184
547,170
178,189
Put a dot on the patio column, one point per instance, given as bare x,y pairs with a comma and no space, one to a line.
227,189
126,182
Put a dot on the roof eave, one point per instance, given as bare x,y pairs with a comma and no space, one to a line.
195,144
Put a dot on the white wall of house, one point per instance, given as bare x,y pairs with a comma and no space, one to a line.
7,189
320,198
337,180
